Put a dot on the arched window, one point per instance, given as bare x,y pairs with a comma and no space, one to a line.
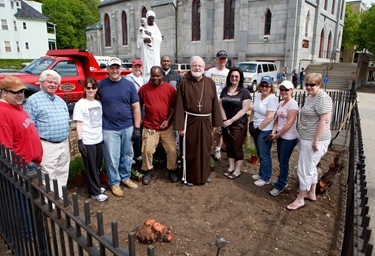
144,11
229,8
321,45
307,23
124,25
267,22
328,56
333,7
196,21
107,30
325,4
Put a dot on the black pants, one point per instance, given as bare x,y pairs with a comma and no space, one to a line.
93,162
234,138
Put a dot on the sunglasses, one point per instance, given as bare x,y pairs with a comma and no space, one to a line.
311,85
17,92
264,86
91,88
284,90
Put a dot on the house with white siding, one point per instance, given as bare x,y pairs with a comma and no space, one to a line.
25,32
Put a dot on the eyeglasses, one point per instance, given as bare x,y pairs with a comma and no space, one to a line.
197,66
91,88
311,85
264,86
17,92
234,76
284,90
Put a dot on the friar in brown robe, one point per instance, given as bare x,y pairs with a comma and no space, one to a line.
197,112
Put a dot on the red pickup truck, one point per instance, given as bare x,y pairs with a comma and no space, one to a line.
73,65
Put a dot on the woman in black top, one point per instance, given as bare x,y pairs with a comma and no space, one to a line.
234,103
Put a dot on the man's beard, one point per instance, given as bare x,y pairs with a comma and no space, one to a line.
197,73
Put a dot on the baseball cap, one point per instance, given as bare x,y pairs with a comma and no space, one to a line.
114,61
221,54
12,83
266,79
287,84
137,62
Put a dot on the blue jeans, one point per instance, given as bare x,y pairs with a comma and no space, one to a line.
118,154
264,153
284,151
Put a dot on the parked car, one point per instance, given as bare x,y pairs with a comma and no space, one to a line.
127,66
254,71
181,68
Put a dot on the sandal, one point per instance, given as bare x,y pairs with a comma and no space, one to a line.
294,206
227,173
233,176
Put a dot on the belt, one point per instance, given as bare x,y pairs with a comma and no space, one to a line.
56,142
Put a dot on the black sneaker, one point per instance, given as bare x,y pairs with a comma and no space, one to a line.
146,178
173,177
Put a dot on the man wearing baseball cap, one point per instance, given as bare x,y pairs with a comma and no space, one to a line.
121,124
219,75
17,131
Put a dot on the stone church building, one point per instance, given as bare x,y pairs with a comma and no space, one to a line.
290,33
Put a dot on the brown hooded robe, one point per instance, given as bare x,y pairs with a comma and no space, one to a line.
199,128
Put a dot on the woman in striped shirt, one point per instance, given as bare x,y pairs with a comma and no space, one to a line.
315,135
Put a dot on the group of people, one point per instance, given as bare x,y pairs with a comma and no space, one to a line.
121,118
295,76
271,120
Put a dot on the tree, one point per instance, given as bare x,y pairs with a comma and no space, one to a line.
71,18
351,25
366,31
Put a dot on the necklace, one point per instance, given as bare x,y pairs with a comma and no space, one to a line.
200,100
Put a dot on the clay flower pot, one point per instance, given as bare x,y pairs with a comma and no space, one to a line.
254,159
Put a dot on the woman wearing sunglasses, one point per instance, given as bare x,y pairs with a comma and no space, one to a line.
88,116
260,127
285,132
315,135
234,103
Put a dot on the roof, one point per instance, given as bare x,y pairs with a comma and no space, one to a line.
96,26
110,2
29,12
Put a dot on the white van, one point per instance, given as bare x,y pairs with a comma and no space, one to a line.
254,71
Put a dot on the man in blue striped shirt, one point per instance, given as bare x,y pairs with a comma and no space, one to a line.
51,118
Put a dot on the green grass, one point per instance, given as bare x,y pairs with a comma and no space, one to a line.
13,63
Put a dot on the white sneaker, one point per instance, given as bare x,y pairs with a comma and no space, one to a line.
261,183
100,198
133,162
102,190
139,158
255,177
275,192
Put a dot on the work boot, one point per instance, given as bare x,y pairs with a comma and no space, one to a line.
173,177
116,190
146,177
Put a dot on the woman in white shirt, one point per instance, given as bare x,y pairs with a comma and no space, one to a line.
285,132
261,125
88,116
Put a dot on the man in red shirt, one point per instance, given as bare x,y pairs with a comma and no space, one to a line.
158,99
17,131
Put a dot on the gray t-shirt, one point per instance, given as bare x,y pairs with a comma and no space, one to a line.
310,116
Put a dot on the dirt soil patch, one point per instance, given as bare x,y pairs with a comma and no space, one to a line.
254,222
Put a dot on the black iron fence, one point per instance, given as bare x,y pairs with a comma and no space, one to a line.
357,232
36,221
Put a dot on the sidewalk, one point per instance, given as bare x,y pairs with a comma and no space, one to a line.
366,105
